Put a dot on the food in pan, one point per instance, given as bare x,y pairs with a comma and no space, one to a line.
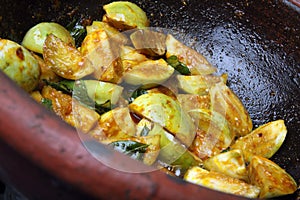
144,93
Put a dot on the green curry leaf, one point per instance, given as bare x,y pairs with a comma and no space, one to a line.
131,148
65,86
136,93
47,103
78,91
178,66
77,31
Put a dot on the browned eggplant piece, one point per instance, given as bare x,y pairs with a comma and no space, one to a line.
263,141
167,112
19,64
70,110
271,178
149,72
125,15
35,37
230,163
213,133
196,63
149,42
221,182
65,60
98,48
224,101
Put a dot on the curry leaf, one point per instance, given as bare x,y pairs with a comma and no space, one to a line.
47,103
178,66
136,93
77,31
65,86
79,92
103,108
131,148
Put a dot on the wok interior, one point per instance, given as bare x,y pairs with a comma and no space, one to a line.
256,43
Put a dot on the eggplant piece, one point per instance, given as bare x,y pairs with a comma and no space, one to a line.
130,57
65,60
37,96
193,101
149,73
35,37
113,125
103,92
199,84
172,152
230,163
112,130
213,133
111,32
70,110
225,102
125,15
152,151
19,64
46,74
165,111
150,43
196,63
221,182
263,141
271,178
98,48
